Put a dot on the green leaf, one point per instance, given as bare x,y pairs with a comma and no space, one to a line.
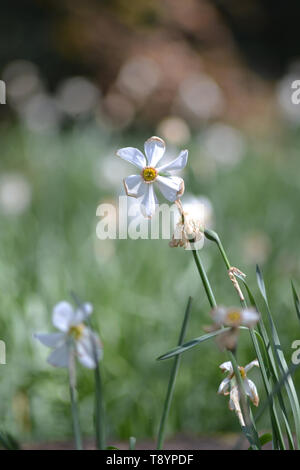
190,344
278,352
296,300
265,438
111,448
8,442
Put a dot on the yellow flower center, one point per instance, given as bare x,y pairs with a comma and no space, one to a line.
242,372
76,331
149,174
233,317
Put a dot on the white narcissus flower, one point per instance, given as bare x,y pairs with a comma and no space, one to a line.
141,186
235,317
229,387
73,333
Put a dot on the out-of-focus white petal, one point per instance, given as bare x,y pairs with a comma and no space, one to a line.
63,316
89,349
154,150
219,314
148,201
178,164
226,367
60,356
134,185
170,186
251,364
133,155
82,313
250,317
224,386
51,340
251,391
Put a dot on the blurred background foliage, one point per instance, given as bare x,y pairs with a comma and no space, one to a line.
84,79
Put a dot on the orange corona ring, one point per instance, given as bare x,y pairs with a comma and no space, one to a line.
149,174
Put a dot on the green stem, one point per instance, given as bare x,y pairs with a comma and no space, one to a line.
172,379
204,278
99,411
74,407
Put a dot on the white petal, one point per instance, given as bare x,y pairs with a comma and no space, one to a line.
219,314
226,367
249,366
134,186
63,316
224,386
82,313
52,340
133,155
251,391
250,317
170,187
178,164
89,349
148,201
60,356
234,404
154,150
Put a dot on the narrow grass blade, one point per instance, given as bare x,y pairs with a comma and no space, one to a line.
289,384
190,344
172,379
132,443
296,300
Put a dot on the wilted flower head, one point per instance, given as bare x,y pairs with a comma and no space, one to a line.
189,229
229,387
74,336
141,186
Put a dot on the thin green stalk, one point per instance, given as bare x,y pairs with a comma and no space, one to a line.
172,379
74,407
204,278
99,406
99,411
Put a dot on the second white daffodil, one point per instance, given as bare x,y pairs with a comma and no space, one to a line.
141,185
74,336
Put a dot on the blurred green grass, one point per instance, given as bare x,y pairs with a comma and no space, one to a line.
139,288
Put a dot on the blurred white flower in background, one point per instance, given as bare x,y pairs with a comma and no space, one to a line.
199,207
119,111
201,97
22,80
175,130
77,96
235,317
257,247
15,193
41,114
223,143
74,334
139,77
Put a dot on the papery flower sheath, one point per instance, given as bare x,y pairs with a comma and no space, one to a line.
229,387
151,173
74,335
